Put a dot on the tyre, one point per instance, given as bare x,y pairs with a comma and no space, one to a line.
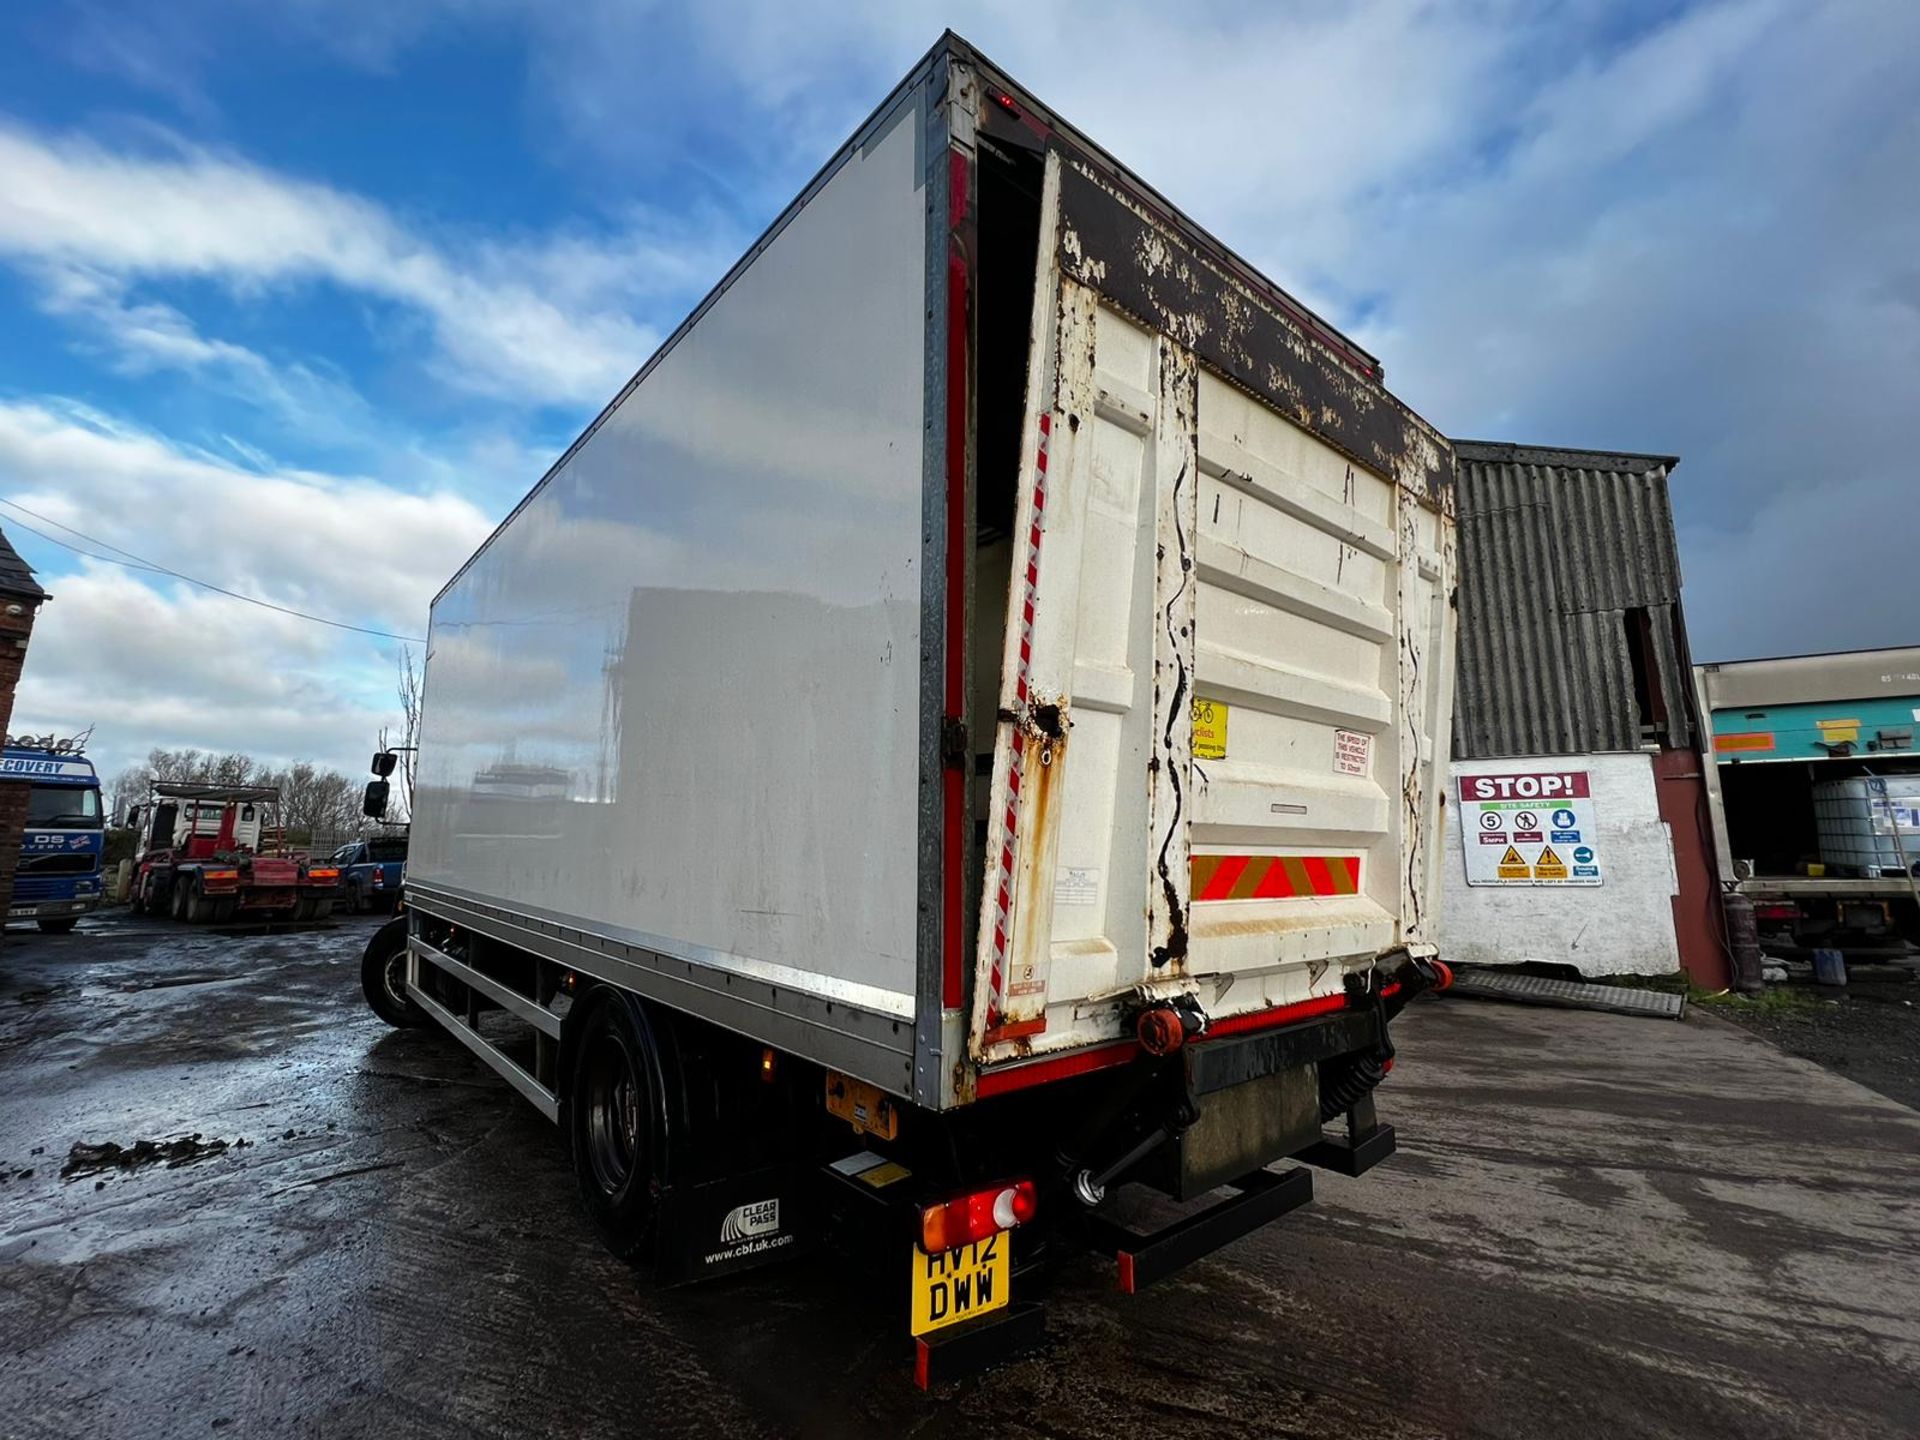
177,899
302,909
61,926
225,908
612,1111
383,973
138,902
323,908
201,909
359,902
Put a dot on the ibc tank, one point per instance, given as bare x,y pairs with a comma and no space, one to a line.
1856,820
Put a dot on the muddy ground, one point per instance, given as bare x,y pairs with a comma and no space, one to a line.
1597,1226
1870,1032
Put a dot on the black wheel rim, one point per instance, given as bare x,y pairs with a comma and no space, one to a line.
613,1114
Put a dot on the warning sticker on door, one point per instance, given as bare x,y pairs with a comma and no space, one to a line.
1352,752
1531,829
1209,729
1076,885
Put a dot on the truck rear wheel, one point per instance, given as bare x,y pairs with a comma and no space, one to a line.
178,899
383,976
610,1122
201,908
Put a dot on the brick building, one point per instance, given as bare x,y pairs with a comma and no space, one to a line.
20,601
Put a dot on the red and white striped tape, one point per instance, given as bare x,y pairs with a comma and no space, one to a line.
1010,824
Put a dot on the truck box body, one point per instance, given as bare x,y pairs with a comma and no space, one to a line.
995,606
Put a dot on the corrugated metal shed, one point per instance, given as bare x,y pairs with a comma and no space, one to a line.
16,576
1571,639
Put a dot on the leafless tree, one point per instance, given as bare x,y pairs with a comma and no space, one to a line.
408,691
318,807
129,787
176,764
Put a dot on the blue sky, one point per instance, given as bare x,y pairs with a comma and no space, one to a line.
302,297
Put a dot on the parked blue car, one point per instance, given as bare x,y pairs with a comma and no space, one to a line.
371,871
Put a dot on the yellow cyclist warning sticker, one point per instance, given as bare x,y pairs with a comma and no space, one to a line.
1209,729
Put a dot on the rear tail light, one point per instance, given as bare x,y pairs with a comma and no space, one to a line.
969,1218
323,874
221,875
1777,912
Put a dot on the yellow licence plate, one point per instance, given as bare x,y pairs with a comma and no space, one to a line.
957,1285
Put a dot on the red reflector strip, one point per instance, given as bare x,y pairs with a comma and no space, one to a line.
1039,1072
1017,742
1126,1272
1279,1015
1081,1062
1273,877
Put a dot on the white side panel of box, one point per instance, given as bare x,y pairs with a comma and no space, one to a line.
1623,926
676,700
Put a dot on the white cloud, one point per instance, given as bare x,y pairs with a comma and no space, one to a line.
350,548
180,668
545,320
151,661
145,336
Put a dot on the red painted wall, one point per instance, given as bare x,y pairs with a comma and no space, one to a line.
1696,909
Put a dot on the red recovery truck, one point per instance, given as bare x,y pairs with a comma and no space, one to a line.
206,853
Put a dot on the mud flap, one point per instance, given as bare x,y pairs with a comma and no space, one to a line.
741,1222
976,1345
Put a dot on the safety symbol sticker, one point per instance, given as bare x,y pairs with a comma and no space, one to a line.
1530,828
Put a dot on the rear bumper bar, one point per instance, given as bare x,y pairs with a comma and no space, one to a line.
1260,1199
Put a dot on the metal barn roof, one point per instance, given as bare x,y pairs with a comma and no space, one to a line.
1571,638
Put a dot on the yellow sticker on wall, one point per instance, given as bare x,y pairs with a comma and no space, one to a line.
1209,729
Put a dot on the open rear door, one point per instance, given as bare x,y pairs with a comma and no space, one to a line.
1086,890
1213,765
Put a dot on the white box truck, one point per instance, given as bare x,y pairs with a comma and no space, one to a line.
961,732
